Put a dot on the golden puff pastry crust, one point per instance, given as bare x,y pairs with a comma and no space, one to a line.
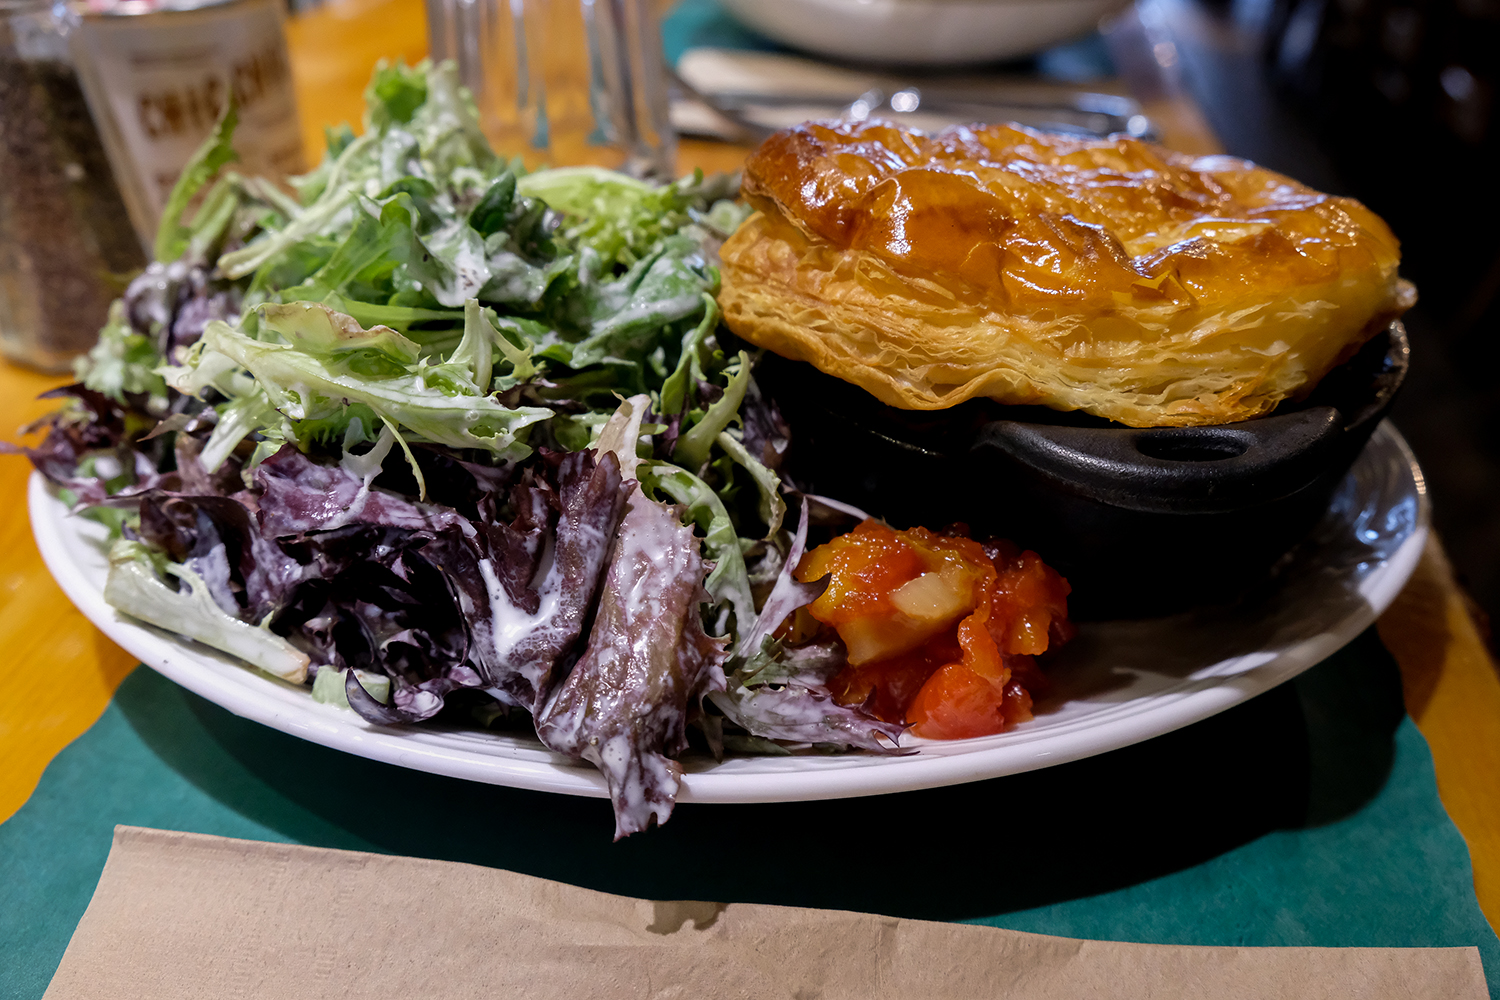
1110,276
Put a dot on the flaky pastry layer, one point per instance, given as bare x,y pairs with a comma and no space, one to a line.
1109,276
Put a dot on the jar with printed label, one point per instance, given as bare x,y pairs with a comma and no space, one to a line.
159,74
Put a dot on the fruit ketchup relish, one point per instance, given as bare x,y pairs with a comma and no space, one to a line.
941,630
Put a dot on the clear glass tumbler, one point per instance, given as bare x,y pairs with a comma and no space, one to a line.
563,82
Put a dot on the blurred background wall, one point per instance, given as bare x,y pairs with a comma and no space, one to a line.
1393,102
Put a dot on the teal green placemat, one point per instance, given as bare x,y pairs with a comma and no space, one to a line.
1308,816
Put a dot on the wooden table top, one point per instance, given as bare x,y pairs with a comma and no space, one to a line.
61,671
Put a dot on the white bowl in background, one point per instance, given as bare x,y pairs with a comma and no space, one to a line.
921,32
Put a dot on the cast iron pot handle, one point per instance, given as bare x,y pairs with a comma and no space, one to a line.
1175,470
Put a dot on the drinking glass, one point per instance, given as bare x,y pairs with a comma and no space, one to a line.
563,82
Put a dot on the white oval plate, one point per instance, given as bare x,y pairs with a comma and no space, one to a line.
1118,683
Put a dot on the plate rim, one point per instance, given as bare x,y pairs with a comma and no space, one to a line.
845,776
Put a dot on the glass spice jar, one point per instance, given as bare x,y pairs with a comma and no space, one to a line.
67,245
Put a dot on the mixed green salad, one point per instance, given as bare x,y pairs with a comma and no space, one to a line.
439,437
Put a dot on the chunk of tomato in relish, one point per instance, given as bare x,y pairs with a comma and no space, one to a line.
1029,606
940,629
887,687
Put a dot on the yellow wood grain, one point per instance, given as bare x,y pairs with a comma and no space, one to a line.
1453,692
333,49
59,672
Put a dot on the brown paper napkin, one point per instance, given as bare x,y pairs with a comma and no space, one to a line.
184,915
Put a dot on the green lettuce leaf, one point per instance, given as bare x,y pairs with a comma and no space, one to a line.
172,235
123,361
394,94
328,362
328,686
767,482
135,587
617,217
694,445
681,384
728,583
345,180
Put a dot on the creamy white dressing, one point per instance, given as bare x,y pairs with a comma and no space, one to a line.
470,268
107,466
348,514
510,624
517,282
628,785
651,544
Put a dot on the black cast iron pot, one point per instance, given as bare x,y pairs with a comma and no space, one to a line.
1141,522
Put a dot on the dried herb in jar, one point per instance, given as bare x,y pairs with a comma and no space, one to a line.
66,242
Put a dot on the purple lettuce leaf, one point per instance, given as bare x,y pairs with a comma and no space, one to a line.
311,623
356,576
200,300
766,432
787,595
515,548
409,702
194,479
300,495
105,432
624,706
315,619
781,692
521,652
151,298
798,713
418,640
249,575
376,601
562,514
173,302
453,478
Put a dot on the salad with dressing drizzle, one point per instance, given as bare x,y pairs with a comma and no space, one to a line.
443,438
